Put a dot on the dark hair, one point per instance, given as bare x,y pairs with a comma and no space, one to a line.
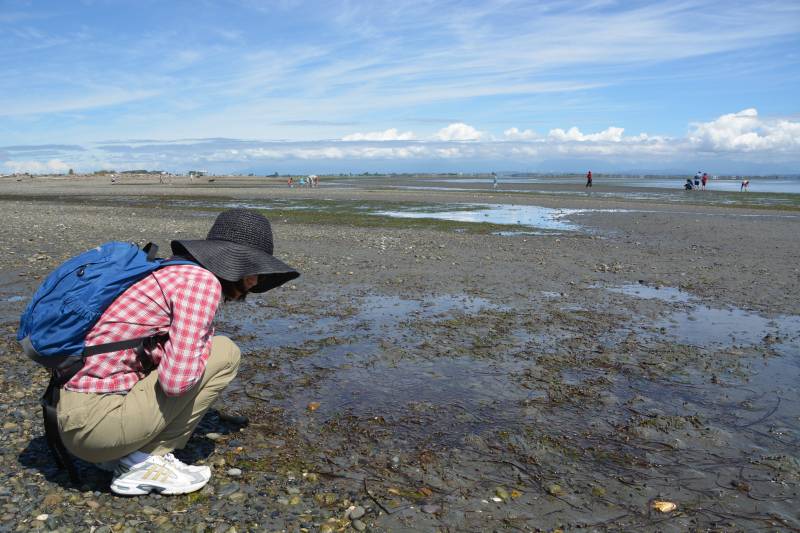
231,288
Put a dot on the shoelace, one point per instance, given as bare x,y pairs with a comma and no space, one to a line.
169,458
177,463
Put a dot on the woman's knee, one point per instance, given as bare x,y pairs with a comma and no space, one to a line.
224,354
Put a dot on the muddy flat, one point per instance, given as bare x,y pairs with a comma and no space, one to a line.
453,357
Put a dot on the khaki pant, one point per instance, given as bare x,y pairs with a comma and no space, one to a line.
105,427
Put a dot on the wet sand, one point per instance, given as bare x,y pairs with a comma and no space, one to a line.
445,377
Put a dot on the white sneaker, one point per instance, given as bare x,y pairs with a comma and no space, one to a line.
165,475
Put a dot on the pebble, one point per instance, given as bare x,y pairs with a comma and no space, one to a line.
227,490
431,509
358,525
214,436
42,517
234,472
356,512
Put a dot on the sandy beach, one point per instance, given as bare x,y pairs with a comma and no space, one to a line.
477,372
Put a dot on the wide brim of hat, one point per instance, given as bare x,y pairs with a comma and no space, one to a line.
233,261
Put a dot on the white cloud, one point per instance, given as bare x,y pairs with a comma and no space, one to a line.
37,167
746,132
736,137
387,135
515,134
611,134
458,131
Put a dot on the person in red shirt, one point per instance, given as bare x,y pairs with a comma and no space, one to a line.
704,180
128,410
589,179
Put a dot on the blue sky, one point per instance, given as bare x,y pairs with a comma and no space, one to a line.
259,86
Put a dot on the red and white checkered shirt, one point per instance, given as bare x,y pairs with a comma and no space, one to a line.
179,300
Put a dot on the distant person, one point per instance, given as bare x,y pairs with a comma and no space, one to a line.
113,178
704,180
494,181
688,185
290,183
697,180
589,179
745,185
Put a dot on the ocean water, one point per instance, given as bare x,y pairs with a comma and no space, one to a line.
789,185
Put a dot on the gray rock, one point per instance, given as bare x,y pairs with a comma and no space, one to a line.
227,490
431,509
234,472
356,512
358,525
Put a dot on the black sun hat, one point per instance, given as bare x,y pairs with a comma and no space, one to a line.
239,244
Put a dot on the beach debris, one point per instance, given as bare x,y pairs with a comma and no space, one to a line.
502,493
326,498
598,491
515,494
313,406
664,506
555,490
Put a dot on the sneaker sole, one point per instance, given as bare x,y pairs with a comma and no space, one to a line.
140,489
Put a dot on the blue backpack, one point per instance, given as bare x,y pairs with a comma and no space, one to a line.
74,296
63,310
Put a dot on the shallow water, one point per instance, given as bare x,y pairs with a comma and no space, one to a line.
520,215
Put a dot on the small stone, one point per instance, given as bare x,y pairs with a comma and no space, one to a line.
295,500
10,426
326,498
501,493
311,477
92,504
326,528
431,509
283,501
227,490
292,490
598,491
555,490
214,436
234,472
52,500
150,510
355,512
358,525
42,517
